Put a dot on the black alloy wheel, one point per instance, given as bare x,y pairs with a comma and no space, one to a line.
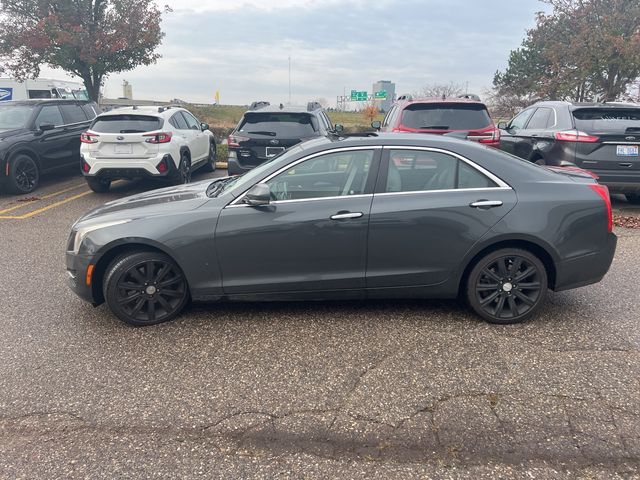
507,286
145,288
24,175
183,175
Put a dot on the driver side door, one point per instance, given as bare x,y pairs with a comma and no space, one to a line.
313,234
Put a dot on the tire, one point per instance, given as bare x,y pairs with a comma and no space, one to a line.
633,198
507,286
210,166
183,175
24,175
145,288
98,185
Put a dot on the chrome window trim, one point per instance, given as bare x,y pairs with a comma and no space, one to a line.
291,165
305,200
501,183
448,190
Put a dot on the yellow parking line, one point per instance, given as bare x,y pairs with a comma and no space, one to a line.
45,197
48,207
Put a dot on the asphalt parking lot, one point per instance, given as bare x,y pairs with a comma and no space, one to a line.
306,390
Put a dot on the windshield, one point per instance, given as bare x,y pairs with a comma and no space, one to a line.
607,119
279,124
446,116
13,117
126,124
246,180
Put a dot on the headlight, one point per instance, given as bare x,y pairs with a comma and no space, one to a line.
78,235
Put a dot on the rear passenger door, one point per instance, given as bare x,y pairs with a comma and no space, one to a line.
199,141
76,122
426,216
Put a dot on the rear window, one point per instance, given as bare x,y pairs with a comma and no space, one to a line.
446,116
126,124
609,119
276,124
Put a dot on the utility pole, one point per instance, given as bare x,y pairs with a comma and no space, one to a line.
289,79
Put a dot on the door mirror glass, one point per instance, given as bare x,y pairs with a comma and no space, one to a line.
338,128
259,194
46,126
503,125
204,126
376,124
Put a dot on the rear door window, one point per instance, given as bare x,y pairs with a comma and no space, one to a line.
73,114
179,122
279,124
192,123
446,116
540,119
608,119
126,124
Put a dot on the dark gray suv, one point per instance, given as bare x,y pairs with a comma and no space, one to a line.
603,138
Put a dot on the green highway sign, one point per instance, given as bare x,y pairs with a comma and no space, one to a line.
380,95
358,96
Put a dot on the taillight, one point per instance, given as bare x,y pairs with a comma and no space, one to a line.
603,191
234,140
158,137
87,137
576,136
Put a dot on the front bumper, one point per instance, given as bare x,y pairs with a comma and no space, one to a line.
586,269
77,267
113,169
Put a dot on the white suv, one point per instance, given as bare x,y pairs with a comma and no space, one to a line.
135,142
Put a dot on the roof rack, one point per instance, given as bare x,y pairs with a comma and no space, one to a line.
258,105
311,106
406,96
470,96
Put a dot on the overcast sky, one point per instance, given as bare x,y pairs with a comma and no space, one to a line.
242,47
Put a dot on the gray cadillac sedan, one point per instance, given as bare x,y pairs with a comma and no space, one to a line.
370,216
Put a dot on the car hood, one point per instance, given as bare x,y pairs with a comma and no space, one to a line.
10,133
163,201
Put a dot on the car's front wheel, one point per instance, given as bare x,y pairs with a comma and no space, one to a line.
507,286
98,185
145,288
24,174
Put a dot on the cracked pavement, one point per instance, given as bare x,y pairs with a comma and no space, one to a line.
398,389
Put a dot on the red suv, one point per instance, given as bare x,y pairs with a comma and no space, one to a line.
464,115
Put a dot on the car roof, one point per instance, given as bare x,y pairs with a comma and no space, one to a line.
46,101
148,110
448,100
283,108
577,105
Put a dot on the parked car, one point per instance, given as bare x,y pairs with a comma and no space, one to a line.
267,130
388,215
465,116
603,138
146,142
39,136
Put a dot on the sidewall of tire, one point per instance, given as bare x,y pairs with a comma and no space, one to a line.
118,267
13,187
470,294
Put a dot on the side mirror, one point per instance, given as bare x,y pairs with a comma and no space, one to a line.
46,127
377,124
338,128
503,125
258,195
204,127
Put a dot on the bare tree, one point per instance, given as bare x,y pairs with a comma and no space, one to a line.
439,90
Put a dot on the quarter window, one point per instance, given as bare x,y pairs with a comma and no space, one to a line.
179,122
49,115
73,113
419,170
332,175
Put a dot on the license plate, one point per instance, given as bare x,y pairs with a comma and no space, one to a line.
627,150
123,148
273,151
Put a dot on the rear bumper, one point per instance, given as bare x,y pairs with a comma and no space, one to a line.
620,181
586,269
137,168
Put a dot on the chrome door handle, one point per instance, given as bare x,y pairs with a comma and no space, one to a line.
486,204
346,216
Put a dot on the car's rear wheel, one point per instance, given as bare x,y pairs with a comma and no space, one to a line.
183,175
24,174
98,185
210,166
145,288
507,286
633,198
